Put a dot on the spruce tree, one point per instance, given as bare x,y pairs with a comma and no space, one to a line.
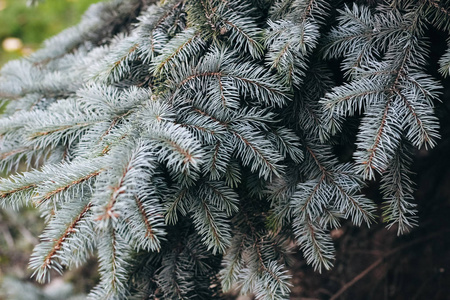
190,145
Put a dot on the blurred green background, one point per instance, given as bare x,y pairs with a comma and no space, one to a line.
24,28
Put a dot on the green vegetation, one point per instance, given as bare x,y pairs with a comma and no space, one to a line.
190,147
32,25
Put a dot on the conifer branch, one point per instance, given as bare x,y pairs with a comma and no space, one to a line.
45,254
50,194
58,243
162,138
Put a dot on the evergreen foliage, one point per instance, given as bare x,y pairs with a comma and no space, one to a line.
189,144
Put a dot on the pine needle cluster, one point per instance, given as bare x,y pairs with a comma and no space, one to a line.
190,144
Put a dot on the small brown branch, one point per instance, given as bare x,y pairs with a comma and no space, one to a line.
378,136
13,152
211,221
114,122
327,176
149,230
330,105
210,117
123,58
436,5
177,51
67,186
249,38
199,75
257,151
379,261
62,128
214,157
109,209
9,193
276,61
307,12
59,242
186,153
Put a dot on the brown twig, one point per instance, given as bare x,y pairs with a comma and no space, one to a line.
379,261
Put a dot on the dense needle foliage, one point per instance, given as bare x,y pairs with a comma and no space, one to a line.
190,144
